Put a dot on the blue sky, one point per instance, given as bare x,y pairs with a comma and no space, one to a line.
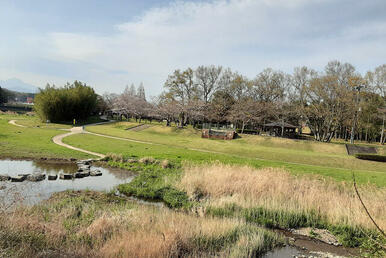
109,44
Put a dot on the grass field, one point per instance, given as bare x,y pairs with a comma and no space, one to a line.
20,142
249,146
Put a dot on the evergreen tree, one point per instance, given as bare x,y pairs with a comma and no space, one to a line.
141,91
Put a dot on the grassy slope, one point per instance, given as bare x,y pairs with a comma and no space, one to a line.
106,145
268,148
19,142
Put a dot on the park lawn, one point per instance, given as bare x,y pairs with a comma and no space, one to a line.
249,146
180,154
19,142
35,122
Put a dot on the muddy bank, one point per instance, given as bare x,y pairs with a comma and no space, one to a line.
310,245
50,160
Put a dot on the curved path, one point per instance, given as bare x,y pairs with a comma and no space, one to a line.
13,122
75,130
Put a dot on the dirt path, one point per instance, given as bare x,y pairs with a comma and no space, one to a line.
13,122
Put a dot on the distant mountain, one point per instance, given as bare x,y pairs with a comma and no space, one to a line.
18,85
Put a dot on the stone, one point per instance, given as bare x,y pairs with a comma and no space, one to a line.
78,175
18,178
84,167
36,177
52,177
95,173
66,176
2,187
4,177
24,175
85,173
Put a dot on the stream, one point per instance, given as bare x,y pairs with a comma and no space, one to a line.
30,193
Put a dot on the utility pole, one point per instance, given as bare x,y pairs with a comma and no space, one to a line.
358,88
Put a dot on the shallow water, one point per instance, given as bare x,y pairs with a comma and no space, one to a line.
32,192
286,251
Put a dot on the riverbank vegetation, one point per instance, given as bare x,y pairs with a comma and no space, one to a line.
90,224
268,197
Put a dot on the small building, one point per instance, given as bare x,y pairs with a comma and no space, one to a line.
281,129
218,134
217,131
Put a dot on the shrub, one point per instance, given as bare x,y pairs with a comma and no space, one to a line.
72,101
147,160
372,157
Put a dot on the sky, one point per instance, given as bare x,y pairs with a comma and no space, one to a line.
111,44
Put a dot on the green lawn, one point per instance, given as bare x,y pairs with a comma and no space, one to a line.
107,145
19,142
248,146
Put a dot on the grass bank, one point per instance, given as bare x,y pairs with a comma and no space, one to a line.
266,197
248,146
178,154
21,142
90,224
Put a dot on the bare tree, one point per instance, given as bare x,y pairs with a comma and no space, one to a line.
207,80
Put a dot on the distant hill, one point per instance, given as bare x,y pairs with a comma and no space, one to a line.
15,84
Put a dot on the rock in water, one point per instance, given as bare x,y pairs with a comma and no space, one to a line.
52,177
95,173
78,175
4,177
66,176
36,177
17,178
24,175
85,173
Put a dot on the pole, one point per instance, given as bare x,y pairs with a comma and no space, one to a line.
355,117
383,129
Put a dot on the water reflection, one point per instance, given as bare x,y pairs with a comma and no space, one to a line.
33,192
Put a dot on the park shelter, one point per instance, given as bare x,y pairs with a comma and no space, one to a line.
281,128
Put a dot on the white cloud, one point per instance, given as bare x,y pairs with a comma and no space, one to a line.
245,35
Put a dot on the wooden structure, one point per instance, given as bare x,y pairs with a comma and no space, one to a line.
218,134
281,129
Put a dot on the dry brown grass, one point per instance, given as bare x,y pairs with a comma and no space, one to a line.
88,224
277,189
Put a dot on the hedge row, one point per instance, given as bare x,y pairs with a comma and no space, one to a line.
373,157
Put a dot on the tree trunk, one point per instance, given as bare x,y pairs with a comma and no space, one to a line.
382,141
242,128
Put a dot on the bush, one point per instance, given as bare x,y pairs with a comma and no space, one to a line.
73,101
372,157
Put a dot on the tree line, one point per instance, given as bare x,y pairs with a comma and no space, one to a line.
336,102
